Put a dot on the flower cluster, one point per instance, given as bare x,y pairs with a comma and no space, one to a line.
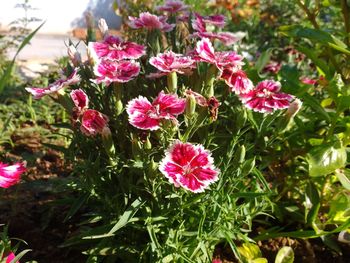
115,58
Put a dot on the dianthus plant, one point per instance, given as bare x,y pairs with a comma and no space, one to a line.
167,136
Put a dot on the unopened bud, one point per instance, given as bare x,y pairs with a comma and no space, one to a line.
147,144
136,147
74,55
190,106
294,108
107,141
102,25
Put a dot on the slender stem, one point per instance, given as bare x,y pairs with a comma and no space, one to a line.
311,16
345,11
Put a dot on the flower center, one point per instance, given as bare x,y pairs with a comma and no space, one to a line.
187,169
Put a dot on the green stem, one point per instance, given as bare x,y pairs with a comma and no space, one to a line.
345,11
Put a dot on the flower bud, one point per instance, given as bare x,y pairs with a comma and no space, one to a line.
74,55
172,82
107,141
147,144
190,106
294,108
102,25
136,147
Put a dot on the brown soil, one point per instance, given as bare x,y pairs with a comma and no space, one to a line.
30,209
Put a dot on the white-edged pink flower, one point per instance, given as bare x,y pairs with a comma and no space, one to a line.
148,116
272,67
227,59
93,122
189,166
150,22
109,71
199,22
266,97
10,174
237,80
172,6
115,48
38,93
229,38
80,99
172,62
199,25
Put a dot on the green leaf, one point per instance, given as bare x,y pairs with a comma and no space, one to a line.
311,54
315,105
7,73
344,178
263,60
312,203
325,159
76,206
339,211
249,251
316,36
127,216
285,255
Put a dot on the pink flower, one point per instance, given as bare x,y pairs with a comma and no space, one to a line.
266,97
172,6
148,116
308,81
109,71
199,22
115,48
10,257
10,174
237,80
190,166
150,22
206,53
229,38
56,86
80,99
172,62
272,67
93,122
216,260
